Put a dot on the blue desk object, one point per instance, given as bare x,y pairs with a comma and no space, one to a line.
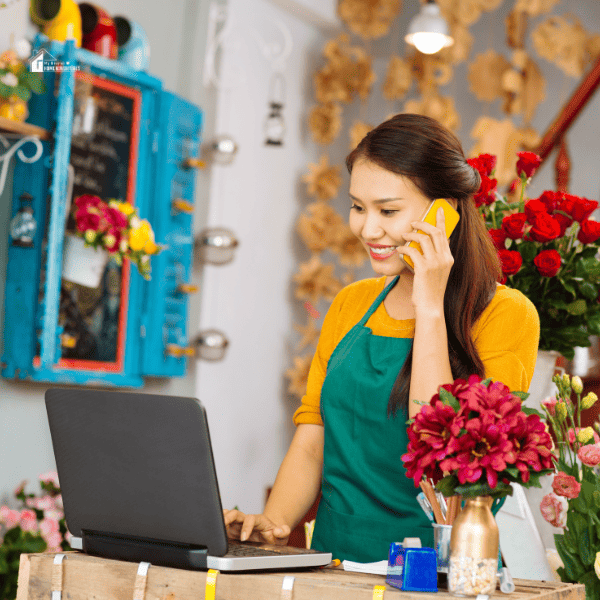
412,569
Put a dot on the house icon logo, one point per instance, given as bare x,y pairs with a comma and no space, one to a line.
42,61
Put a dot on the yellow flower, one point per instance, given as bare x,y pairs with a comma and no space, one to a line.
89,236
140,236
561,410
577,384
585,435
589,400
597,565
151,248
124,207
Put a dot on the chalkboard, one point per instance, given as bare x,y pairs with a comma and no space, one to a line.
104,147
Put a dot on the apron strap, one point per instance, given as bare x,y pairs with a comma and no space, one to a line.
378,301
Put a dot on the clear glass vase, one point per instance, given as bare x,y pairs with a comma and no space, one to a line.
474,549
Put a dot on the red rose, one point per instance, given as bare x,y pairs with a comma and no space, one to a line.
565,205
498,237
484,163
87,200
544,228
86,220
548,262
589,231
582,208
116,218
487,163
534,208
550,199
510,260
528,163
487,191
514,225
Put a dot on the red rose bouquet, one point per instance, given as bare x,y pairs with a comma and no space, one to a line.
116,227
548,249
574,503
475,438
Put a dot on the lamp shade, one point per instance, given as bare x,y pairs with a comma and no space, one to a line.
134,47
428,31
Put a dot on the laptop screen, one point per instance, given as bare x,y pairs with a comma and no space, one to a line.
136,464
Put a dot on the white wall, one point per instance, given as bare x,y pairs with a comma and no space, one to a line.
177,42
250,299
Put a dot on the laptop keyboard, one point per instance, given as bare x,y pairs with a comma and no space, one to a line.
239,549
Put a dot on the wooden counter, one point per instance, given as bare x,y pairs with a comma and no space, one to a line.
85,577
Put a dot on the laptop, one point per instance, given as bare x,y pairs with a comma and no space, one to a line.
138,482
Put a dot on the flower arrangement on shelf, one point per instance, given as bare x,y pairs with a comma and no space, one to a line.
574,504
37,526
117,228
17,83
548,249
476,438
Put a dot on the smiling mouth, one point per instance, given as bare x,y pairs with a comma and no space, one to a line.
381,253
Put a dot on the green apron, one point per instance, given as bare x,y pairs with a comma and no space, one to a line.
367,499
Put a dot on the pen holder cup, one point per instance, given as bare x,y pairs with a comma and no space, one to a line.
441,542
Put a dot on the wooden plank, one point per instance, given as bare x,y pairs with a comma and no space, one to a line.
88,577
24,568
23,128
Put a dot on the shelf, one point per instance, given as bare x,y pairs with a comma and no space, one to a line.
8,125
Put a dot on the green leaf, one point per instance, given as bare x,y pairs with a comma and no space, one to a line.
522,395
569,541
585,551
588,290
3,565
447,485
568,286
447,398
572,565
5,90
22,92
469,490
576,521
578,307
533,411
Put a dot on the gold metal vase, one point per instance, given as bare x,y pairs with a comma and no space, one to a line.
474,549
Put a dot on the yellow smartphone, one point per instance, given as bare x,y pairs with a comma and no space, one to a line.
430,216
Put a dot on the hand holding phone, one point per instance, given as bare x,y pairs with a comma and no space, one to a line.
451,217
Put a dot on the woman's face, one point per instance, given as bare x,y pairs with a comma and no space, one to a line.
384,205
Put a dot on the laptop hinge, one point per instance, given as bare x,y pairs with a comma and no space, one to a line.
137,549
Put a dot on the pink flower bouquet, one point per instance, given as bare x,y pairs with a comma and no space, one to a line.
574,504
38,525
475,438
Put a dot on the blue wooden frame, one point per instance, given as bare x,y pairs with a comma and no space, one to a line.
169,130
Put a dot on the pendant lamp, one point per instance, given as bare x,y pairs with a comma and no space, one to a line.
428,31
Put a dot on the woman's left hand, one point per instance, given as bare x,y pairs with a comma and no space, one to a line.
432,268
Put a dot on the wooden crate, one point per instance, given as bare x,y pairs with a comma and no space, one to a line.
87,577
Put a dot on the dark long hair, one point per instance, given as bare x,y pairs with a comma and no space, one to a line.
419,148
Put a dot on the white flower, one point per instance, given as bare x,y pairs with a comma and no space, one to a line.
23,49
597,565
10,79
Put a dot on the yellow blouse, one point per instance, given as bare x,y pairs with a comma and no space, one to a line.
506,336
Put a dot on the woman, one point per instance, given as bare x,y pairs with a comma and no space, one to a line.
391,339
